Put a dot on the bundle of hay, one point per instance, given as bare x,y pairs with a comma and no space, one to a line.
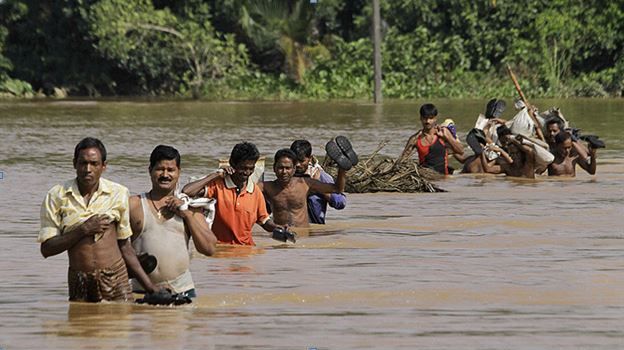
382,174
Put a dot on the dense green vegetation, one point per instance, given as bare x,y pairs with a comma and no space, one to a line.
240,49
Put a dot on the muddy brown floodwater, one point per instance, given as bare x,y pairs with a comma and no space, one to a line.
493,263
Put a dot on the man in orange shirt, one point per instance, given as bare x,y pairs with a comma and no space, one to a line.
240,203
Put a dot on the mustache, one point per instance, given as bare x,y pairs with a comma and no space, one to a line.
165,178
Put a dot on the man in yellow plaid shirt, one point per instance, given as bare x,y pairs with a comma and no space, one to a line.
88,217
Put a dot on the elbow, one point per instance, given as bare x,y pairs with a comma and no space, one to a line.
208,249
45,251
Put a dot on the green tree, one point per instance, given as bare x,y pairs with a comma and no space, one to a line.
170,52
286,28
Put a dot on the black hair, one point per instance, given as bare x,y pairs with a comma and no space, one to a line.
302,149
163,152
244,151
90,142
428,110
285,152
503,131
561,137
555,120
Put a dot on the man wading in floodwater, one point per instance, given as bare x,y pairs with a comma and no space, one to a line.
288,195
240,203
162,225
431,142
88,218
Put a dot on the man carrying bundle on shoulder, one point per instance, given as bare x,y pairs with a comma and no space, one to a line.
431,142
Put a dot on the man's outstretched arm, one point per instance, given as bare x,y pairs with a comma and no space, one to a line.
195,188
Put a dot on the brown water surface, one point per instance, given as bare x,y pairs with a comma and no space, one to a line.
493,263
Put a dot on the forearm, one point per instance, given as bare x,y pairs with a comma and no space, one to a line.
580,150
589,163
488,166
269,226
204,240
455,145
61,243
193,189
132,263
341,181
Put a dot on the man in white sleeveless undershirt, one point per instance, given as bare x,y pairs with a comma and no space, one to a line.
160,228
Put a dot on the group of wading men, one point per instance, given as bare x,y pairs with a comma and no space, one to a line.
498,150
111,236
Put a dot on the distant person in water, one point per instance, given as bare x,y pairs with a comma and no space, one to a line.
288,194
89,218
240,203
431,142
516,158
567,156
307,165
162,225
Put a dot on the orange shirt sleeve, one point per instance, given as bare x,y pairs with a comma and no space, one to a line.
211,190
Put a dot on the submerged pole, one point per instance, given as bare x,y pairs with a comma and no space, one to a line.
377,50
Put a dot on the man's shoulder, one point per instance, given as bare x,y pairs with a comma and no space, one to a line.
113,186
61,189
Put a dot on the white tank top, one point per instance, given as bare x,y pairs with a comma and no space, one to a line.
168,242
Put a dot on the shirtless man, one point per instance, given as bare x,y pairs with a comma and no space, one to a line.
307,165
288,195
566,159
517,159
431,142
162,228
88,218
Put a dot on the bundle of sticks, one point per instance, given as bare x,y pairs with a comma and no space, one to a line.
379,173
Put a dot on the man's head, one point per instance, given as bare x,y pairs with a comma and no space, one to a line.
284,165
428,116
553,127
164,168
504,133
303,151
563,143
89,161
243,159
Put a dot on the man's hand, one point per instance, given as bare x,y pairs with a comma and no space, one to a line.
172,206
226,170
440,131
96,224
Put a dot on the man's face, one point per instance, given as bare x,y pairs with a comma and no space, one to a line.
565,148
243,170
165,175
553,130
302,165
284,170
89,166
428,122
